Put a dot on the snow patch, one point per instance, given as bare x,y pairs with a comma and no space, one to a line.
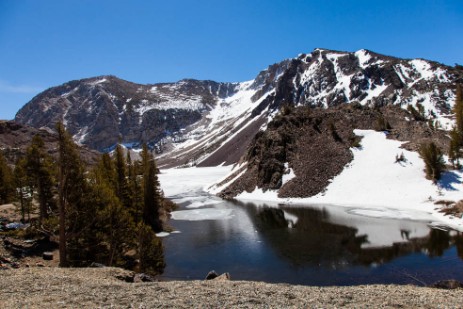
202,214
375,185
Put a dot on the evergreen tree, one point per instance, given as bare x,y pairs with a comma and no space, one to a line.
152,197
456,135
6,182
23,183
434,162
76,215
107,170
454,148
115,232
123,191
458,110
135,189
39,167
150,250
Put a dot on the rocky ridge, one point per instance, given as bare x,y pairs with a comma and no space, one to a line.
208,123
15,138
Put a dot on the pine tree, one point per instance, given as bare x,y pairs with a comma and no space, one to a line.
123,191
39,167
114,229
23,184
458,110
76,216
433,159
456,135
106,168
150,250
135,189
454,148
6,181
152,197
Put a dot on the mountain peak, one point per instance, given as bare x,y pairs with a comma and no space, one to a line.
98,111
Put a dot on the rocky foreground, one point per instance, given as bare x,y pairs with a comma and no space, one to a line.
103,288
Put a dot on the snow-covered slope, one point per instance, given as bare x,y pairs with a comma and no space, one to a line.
374,184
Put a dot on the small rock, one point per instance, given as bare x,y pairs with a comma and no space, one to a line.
142,278
223,277
47,256
97,265
211,275
447,284
39,264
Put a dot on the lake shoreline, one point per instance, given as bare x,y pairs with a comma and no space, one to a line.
100,287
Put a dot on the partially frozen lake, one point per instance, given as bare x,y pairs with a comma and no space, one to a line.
317,245
311,246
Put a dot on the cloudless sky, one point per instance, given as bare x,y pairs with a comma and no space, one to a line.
49,42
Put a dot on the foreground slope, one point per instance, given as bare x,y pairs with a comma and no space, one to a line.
90,288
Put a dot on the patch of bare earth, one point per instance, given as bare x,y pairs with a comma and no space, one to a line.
101,288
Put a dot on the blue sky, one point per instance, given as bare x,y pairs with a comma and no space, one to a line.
49,42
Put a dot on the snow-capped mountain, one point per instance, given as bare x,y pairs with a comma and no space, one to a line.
209,123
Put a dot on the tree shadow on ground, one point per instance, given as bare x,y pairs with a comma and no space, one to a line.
449,180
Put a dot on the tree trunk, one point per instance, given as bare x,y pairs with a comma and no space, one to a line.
63,262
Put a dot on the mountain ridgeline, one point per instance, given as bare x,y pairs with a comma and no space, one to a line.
208,123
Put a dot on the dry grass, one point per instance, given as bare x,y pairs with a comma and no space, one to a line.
451,208
99,288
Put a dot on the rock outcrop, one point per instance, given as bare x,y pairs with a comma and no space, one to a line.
315,145
15,138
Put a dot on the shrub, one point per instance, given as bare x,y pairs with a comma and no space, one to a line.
382,124
355,141
400,158
433,160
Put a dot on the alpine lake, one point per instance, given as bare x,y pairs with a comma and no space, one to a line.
317,245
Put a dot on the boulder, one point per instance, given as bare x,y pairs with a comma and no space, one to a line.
48,256
211,275
223,277
447,284
142,278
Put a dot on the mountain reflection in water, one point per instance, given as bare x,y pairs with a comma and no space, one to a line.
312,246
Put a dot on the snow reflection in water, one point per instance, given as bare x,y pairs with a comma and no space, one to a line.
301,245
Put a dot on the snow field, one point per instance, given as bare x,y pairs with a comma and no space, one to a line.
374,185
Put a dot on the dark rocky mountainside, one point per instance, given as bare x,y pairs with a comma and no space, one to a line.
316,143
207,123
15,138
98,111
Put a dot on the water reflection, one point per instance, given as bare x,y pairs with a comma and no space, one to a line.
312,240
320,245
318,238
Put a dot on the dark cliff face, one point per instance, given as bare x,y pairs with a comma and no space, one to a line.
101,111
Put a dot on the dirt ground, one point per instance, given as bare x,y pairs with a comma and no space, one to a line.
17,251
101,288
